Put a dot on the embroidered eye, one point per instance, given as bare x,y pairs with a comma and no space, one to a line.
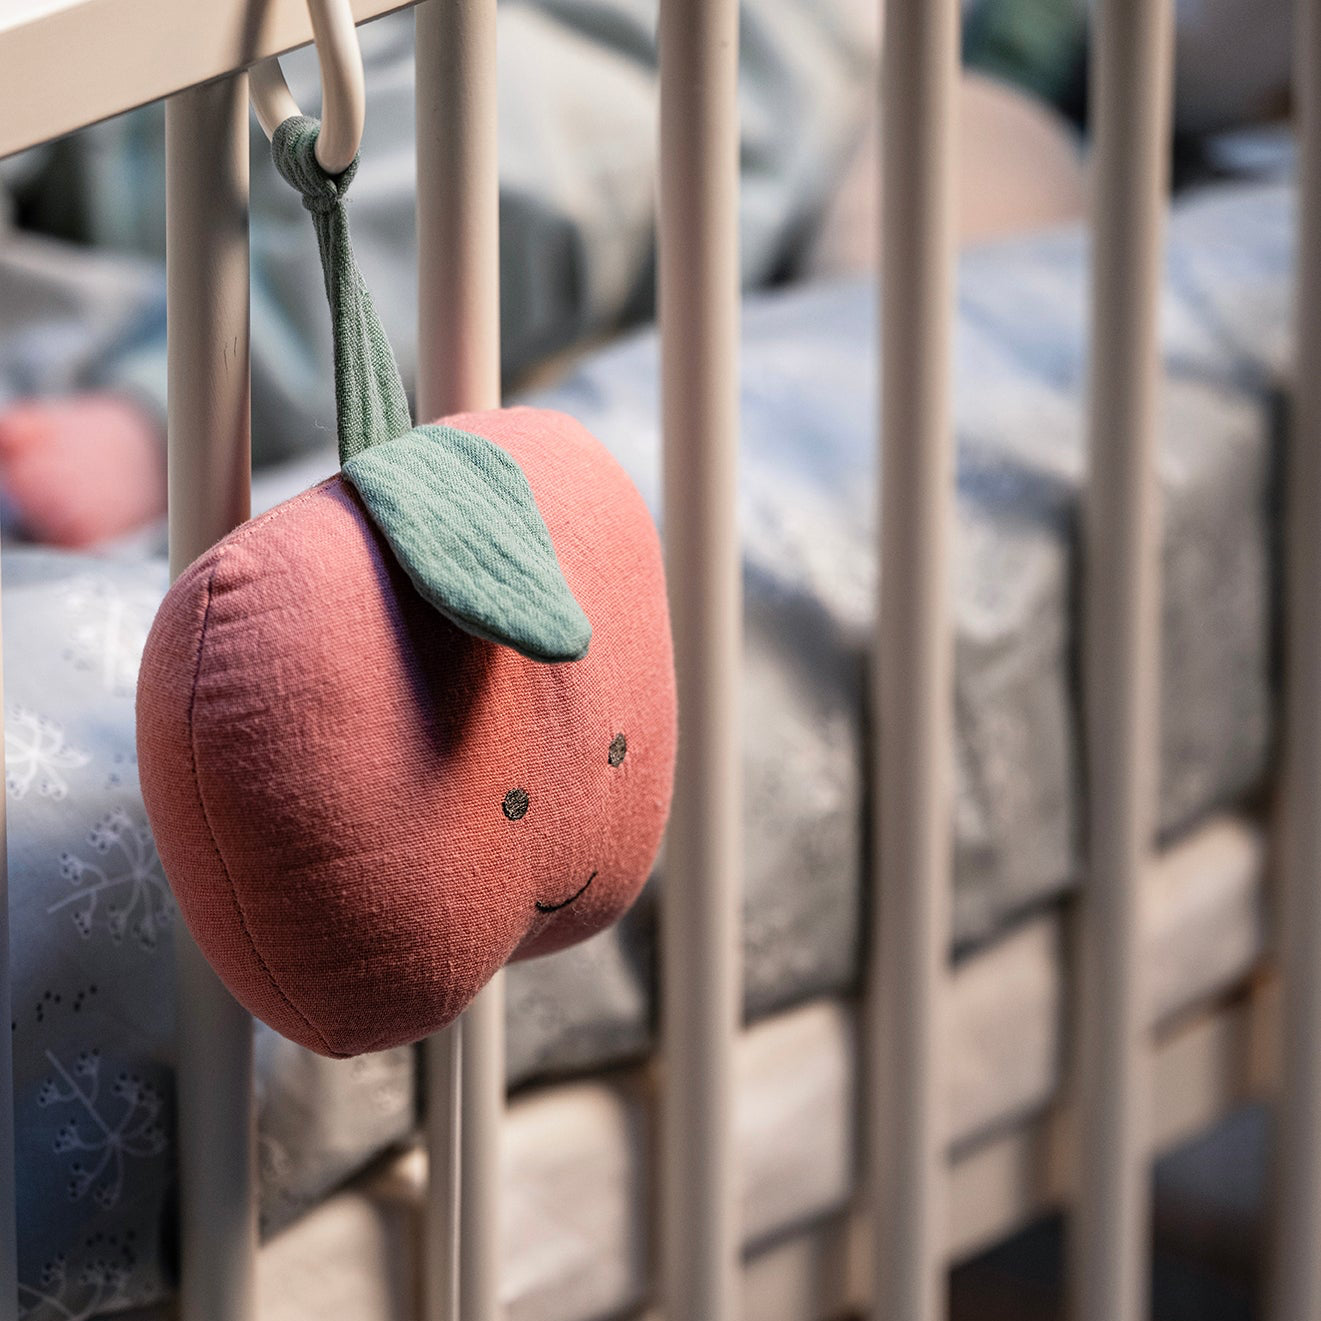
515,804
618,750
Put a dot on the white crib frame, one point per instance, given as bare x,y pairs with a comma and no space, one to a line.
66,63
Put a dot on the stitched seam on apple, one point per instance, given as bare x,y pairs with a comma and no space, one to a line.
215,844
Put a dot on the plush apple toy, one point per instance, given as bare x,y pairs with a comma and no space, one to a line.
418,720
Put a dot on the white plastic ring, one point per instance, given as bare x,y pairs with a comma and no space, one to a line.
343,87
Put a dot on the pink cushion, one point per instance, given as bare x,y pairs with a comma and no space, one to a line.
81,469
329,765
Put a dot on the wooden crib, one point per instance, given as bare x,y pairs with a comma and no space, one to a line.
68,63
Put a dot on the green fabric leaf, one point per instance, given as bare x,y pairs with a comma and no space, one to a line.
461,518
370,403
457,510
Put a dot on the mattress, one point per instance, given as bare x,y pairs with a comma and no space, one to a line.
93,917
807,511
578,1178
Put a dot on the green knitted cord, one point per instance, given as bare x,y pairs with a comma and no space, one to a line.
370,402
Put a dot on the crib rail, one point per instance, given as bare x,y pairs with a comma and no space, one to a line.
65,63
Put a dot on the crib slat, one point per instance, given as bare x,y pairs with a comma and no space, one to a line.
206,144
701,913
8,1192
1132,66
913,666
482,1096
443,1061
459,369
1295,1276
458,207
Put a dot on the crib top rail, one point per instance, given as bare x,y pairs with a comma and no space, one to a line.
68,63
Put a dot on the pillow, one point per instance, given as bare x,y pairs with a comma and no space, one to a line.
1020,170
365,808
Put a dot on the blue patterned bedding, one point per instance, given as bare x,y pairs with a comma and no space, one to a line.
92,921
92,917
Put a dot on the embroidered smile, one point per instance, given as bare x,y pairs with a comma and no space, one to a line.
564,903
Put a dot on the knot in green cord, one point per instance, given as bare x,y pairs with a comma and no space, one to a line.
293,145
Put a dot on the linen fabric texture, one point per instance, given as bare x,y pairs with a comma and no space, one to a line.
460,517
328,762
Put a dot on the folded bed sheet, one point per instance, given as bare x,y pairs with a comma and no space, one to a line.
93,917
